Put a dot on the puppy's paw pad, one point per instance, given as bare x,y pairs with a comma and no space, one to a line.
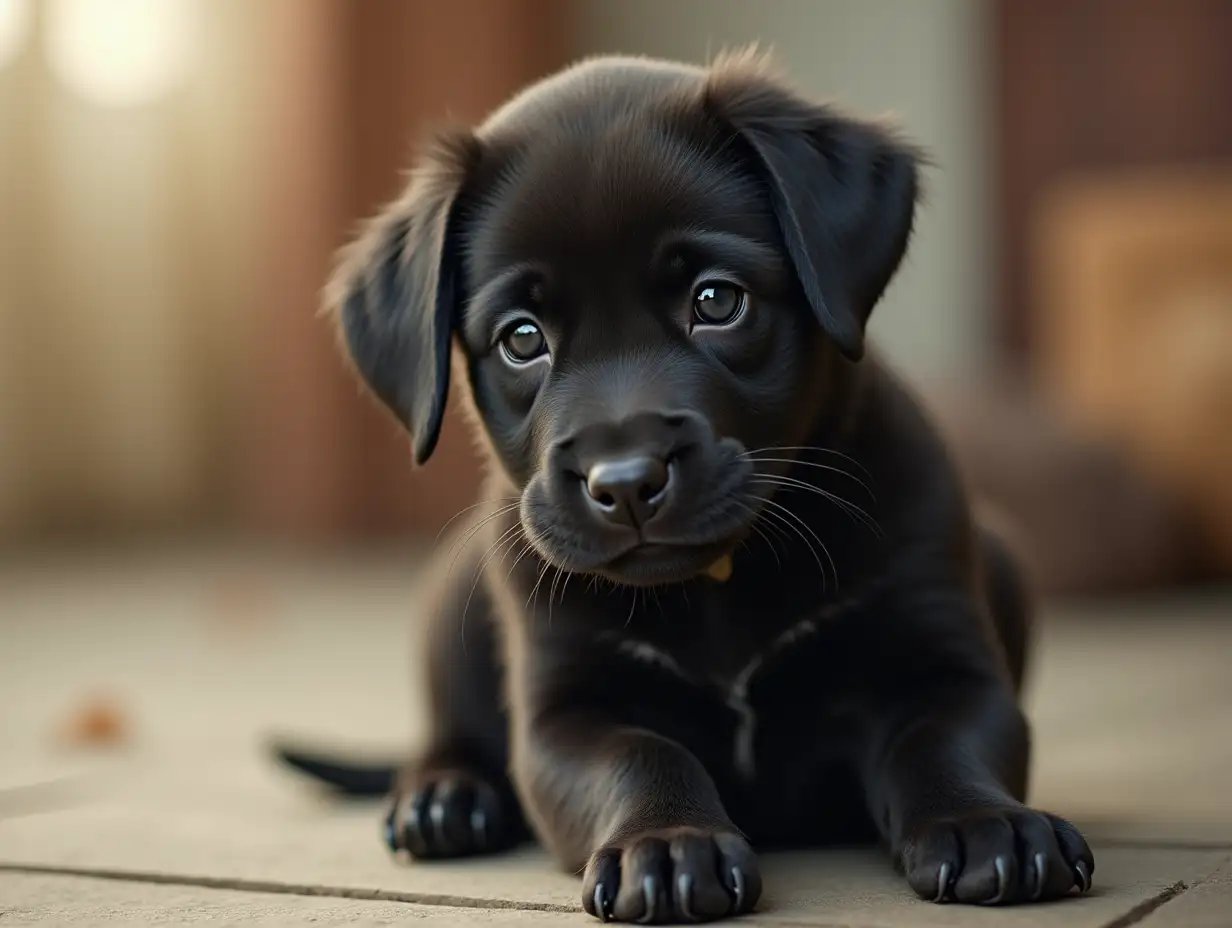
672,876
997,857
449,814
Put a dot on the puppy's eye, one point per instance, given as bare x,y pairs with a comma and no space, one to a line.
523,342
718,303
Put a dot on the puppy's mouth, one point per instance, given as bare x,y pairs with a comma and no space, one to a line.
647,561
655,563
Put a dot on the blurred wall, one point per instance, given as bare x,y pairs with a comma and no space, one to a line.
175,178
127,243
923,61
357,87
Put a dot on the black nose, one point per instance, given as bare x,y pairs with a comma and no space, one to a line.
628,491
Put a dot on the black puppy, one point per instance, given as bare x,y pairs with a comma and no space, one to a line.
656,279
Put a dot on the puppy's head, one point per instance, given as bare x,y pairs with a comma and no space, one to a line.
648,270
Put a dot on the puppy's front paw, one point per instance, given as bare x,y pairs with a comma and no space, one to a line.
995,857
671,876
449,814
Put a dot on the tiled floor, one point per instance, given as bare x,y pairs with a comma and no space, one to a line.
206,658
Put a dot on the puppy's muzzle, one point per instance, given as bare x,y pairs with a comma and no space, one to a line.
631,471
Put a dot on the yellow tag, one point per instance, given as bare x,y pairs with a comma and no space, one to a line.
721,570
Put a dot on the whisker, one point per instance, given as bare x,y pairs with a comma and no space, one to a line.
565,585
771,526
816,448
469,535
774,527
847,507
775,519
552,595
507,538
854,512
655,592
535,589
837,470
632,606
530,546
764,537
802,524
483,502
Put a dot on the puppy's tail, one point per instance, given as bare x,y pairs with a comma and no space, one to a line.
348,777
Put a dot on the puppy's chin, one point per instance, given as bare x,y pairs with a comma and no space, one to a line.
634,562
655,564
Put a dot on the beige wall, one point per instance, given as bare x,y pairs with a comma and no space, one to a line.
919,59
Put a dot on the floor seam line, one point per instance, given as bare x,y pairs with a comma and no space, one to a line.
1147,906
273,887
1164,896
1162,844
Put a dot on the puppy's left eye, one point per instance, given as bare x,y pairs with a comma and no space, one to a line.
718,303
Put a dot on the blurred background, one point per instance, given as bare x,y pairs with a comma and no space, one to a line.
207,533
176,174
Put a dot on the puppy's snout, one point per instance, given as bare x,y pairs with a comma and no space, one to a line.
628,490
626,472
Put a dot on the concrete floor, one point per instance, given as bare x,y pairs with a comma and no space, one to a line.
206,657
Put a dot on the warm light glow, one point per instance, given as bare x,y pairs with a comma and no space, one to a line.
14,28
120,52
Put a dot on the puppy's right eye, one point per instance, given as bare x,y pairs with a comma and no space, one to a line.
523,342
718,303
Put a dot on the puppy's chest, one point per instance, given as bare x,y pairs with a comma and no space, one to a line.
744,659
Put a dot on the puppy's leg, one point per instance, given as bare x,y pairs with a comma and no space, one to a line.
641,814
946,776
1008,603
455,798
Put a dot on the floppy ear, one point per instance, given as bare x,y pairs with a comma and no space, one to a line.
396,293
844,192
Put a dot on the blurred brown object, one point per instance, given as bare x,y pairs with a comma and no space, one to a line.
1087,86
99,722
1134,328
1076,510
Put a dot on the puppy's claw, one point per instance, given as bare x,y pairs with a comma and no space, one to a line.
601,903
479,826
943,882
684,889
1082,877
415,830
1041,874
650,890
1003,880
738,888
391,831
436,815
